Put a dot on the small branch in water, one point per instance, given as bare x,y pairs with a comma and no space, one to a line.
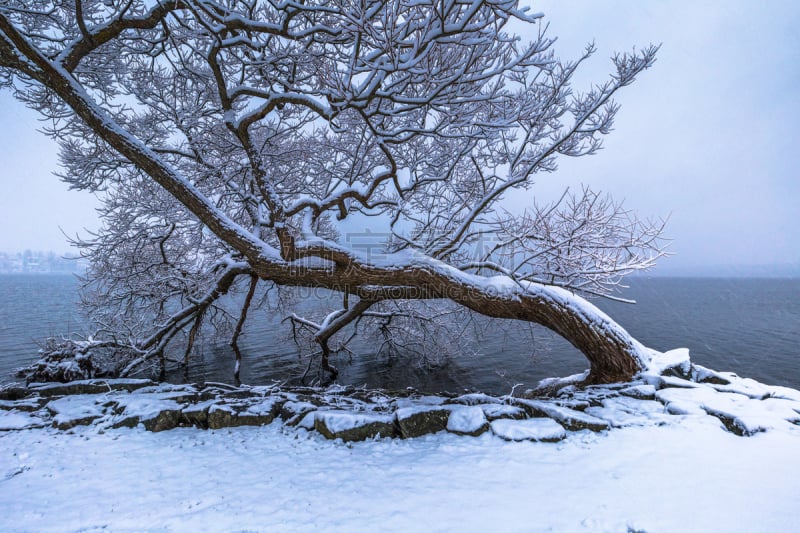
240,324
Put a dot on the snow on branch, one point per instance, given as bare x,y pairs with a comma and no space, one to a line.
584,241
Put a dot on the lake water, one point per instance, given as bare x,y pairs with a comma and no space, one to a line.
748,326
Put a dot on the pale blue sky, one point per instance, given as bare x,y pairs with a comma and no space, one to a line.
709,136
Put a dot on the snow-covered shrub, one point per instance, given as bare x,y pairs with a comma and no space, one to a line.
68,360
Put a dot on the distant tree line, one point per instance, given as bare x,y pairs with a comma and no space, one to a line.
37,261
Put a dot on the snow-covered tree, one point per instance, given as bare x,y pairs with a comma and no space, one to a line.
230,140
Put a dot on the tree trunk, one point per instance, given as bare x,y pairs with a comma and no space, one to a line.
613,354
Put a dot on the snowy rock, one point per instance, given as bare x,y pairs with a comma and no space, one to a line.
292,412
421,420
13,393
681,407
696,395
569,418
740,414
242,414
308,421
496,412
578,404
745,386
266,410
89,386
663,382
467,421
787,409
25,404
220,416
350,426
537,429
197,414
168,391
257,413
154,412
475,399
685,401
784,393
77,410
741,425
402,403
641,392
624,412
15,420
745,417
671,363
701,374
552,386
743,406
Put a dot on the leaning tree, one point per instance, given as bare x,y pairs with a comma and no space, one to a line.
232,141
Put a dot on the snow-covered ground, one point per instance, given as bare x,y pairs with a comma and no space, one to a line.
686,476
705,452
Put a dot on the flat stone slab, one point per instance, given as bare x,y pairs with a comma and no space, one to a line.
243,413
498,411
156,411
89,386
641,392
350,426
624,411
569,418
25,404
196,414
475,398
16,420
77,410
421,420
535,429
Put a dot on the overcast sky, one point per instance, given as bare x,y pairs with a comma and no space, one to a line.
708,136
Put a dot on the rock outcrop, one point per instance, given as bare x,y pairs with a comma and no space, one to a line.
670,388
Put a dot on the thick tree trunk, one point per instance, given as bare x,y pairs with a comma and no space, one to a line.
612,353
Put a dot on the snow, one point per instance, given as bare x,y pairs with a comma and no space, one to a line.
430,401
77,408
263,407
144,406
639,391
467,420
678,358
11,420
493,412
569,418
538,429
745,414
339,421
623,412
411,410
476,398
686,476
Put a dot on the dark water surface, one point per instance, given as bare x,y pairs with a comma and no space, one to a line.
748,326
